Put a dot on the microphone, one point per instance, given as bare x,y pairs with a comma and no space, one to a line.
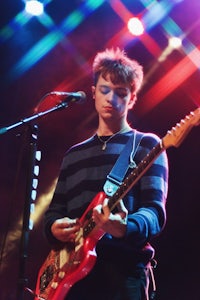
66,97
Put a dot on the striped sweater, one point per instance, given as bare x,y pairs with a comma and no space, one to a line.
83,174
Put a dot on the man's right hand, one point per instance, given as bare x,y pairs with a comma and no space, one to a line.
65,229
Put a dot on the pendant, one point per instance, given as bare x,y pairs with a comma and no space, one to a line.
104,146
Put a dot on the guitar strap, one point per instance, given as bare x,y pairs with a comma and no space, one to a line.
123,163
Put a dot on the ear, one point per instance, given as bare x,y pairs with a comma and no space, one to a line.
132,101
93,91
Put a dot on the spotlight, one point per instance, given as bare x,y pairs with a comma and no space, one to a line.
175,42
34,7
135,26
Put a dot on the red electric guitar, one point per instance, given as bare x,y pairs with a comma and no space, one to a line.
64,267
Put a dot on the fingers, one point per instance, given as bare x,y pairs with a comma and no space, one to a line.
112,223
102,212
123,212
98,215
66,222
65,229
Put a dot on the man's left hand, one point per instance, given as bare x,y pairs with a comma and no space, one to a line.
114,224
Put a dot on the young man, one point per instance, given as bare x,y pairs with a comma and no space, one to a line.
121,271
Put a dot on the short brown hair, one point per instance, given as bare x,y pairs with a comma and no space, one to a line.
121,68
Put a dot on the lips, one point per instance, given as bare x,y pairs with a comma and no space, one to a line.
108,108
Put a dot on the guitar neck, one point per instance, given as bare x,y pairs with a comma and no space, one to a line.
174,137
135,175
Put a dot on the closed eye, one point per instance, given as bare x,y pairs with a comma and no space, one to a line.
104,89
120,92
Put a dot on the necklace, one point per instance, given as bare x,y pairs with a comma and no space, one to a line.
112,136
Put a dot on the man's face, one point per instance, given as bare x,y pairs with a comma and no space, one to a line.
112,101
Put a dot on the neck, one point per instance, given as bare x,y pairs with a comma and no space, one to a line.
105,129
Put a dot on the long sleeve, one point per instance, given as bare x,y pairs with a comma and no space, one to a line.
83,174
148,217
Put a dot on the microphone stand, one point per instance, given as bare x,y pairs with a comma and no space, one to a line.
32,136
33,117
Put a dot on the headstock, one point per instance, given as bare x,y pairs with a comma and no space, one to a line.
176,135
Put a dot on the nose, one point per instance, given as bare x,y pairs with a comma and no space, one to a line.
111,97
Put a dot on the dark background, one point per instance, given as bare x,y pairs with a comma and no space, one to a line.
54,52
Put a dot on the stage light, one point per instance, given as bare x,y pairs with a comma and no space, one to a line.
135,26
34,7
175,42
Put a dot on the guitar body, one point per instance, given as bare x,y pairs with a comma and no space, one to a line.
64,267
